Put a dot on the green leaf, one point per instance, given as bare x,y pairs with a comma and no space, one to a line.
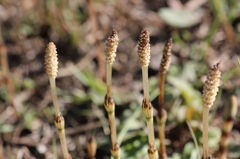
130,122
79,96
29,83
135,147
88,79
191,97
6,128
188,148
196,154
96,97
175,156
181,18
28,118
214,135
26,29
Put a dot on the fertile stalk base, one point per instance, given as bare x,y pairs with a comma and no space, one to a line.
59,123
115,151
152,152
91,147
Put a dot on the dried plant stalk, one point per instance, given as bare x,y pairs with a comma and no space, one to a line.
51,64
209,94
5,72
95,29
92,147
161,121
147,108
218,7
111,48
229,117
162,114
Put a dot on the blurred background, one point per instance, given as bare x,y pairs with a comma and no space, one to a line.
204,33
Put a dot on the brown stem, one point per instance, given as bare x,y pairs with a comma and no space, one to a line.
227,127
230,113
162,116
5,69
161,95
161,135
7,80
95,29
